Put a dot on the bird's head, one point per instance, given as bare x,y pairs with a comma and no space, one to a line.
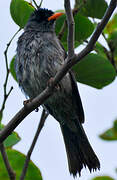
44,19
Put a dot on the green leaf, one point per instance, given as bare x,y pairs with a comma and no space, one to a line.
81,32
20,11
94,8
16,160
11,139
110,134
111,26
103,178
83,27
94,70
12,69
100,49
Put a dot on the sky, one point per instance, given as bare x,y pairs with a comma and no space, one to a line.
49,155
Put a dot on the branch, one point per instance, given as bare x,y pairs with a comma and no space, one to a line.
6,95
35,4
36,102
40,4
70,22
5,99
40,126
62,30
10,171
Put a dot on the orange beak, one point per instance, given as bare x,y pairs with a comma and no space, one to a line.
55,16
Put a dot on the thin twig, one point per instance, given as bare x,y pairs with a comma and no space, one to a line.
62,30
70,22
10,171
36,102
111,59
40,126
35,3
40,3
5,99
6,95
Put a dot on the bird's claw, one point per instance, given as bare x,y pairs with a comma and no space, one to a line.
49,83
27,101
37,109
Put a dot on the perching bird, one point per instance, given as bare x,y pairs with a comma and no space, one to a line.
39,57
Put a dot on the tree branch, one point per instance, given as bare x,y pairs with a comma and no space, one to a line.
40,4
5,99
10,171
6,95
35,3
40,126
36,102
70,22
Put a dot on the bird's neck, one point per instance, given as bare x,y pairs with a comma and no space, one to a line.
42,27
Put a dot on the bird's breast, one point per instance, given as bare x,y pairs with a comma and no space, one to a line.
39,57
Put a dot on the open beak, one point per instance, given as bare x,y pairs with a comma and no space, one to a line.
55,16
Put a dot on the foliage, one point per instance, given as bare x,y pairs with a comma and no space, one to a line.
16,160
110,134
94,8
103,178
12,139
12,70
99,74
20,11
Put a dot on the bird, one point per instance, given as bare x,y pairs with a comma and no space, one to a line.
39,56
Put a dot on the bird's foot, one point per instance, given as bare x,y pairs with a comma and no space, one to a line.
27,101
49,83
37,109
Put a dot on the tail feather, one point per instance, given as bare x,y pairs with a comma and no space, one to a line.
79,151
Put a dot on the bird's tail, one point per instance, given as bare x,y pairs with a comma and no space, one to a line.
79,150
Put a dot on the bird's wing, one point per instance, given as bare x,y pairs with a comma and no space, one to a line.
75,94
76,98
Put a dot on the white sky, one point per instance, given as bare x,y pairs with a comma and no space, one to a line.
100,110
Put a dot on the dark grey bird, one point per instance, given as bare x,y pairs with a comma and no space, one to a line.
39,57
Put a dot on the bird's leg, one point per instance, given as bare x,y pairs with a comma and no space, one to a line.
57,87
